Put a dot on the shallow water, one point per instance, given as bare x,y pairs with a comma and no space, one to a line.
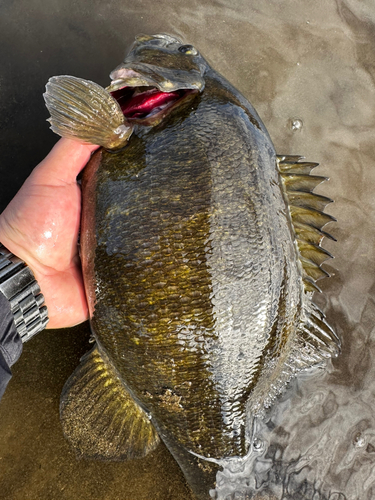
309,69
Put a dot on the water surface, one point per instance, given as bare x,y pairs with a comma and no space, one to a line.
309,69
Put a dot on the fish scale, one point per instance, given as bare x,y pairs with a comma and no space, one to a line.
161,147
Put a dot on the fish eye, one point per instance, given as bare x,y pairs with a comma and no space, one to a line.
188,49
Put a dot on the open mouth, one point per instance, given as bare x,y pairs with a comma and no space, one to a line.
146,105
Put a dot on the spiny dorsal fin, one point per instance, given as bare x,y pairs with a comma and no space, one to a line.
313,270
293,165
311,200
310,285
314,218
304,183
314,253
306,210
100,418
309,233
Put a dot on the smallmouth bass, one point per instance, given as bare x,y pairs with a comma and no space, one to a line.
200,253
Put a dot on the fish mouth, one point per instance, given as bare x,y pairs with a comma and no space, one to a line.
148,105
147,96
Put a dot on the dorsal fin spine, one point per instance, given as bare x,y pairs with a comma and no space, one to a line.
306,210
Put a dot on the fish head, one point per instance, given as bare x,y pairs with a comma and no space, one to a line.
157,74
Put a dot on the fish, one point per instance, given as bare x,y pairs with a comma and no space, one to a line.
201,249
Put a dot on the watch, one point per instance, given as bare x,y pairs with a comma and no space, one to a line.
20,287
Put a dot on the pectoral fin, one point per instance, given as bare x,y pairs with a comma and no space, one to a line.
99,416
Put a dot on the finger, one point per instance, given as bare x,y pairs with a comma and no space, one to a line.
64,162
65,297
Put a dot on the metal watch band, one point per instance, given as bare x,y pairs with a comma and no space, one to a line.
19,286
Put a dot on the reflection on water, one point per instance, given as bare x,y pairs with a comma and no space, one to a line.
309,70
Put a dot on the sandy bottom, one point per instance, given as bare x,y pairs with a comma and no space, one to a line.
308,68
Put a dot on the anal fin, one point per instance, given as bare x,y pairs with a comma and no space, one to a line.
100,418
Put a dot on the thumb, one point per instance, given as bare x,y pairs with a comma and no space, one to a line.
64,162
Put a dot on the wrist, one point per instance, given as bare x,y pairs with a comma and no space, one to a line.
19,286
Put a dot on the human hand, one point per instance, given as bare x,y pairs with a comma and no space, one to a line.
41,224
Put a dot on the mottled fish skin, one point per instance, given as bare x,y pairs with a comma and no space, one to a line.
192,273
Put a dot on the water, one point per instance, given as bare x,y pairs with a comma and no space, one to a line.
308,68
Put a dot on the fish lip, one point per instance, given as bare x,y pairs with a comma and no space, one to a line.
131,81
148,75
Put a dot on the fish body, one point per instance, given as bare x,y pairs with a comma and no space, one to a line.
196,271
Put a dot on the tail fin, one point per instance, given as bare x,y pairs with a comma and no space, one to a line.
83,110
